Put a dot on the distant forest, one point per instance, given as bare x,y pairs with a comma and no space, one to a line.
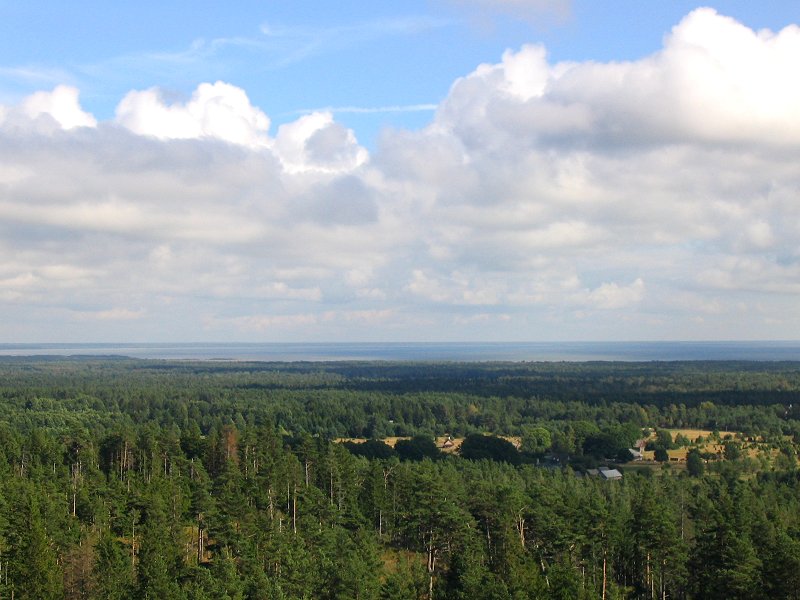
142,479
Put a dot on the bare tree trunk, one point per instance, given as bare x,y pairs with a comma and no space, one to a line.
294,510
133,543
271,506
431,570
199,539
544,568
604,576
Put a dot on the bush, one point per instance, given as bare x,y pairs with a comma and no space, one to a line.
417,448
661,454
477,446
694,463
371,449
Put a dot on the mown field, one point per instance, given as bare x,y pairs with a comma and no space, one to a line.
707,442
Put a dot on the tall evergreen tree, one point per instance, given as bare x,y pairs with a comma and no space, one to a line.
112,569
36,575
158,558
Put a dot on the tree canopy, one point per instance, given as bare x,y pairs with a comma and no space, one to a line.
144,479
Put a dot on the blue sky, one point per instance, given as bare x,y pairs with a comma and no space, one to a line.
439,169
294,56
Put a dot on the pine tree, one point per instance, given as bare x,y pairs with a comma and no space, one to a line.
36,572
158,560
112,569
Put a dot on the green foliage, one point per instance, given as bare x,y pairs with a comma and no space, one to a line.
417,448
146,479
732,450
34,565
407,581
478,447
371,449
694,463
112,569
664,439
159,557
535,440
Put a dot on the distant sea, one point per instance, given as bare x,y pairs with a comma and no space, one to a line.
419,351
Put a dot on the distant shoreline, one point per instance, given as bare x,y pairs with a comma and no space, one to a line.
770,351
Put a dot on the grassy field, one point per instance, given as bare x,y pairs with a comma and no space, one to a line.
711,445
751,449
441,441
693,434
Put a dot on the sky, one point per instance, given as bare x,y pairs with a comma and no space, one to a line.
432,170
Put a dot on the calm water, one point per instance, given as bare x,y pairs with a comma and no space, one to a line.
512,351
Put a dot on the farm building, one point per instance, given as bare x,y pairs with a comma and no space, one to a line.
604,473
635,454
609,474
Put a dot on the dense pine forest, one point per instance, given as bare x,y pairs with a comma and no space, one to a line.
135,479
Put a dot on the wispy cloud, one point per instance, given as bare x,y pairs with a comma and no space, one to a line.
276,46
35,74
399,108
534,12
112,314
300,43
367,30
17,82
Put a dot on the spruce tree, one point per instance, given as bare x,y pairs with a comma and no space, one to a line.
36,572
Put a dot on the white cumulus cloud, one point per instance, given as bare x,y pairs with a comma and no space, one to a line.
62,105
715,80
638,195
219,110
315,142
